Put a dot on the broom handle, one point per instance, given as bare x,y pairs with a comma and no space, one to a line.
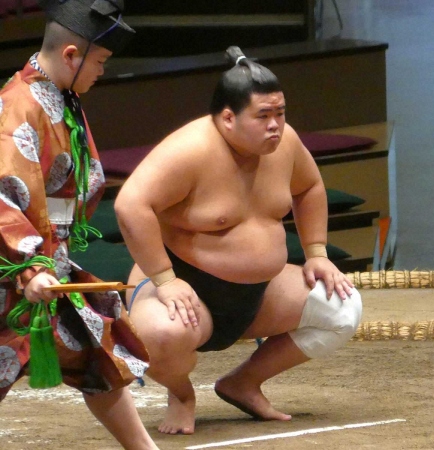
90,287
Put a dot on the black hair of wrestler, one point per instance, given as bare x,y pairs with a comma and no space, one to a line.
236,85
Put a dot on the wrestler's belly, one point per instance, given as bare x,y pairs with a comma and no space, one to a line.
251,252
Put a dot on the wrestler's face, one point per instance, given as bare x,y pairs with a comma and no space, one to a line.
258,128
92,68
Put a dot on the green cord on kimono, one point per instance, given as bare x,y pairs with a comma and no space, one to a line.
11,270
81,157
13,319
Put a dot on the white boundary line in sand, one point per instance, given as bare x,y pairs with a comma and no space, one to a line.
294,434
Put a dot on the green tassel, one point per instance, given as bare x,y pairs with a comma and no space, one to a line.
44,361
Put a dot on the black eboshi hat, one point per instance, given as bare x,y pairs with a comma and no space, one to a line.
97,21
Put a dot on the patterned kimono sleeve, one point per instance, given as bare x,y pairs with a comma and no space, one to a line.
23,219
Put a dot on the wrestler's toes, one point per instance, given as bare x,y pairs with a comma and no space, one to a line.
169,429
165,429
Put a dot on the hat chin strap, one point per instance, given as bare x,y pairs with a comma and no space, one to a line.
71,88
118,20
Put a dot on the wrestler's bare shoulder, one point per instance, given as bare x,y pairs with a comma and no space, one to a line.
195,135
290,139
187,148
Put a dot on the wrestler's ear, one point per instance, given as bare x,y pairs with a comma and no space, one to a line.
228,117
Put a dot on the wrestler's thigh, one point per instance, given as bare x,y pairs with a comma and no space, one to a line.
154,326
283,304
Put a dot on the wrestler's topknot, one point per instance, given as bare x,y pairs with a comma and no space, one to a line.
259,74
245,78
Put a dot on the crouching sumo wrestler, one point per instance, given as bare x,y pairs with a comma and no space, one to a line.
202,217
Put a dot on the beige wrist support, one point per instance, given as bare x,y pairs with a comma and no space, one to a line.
162,278
315,250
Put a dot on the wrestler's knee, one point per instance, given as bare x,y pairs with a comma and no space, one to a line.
168,336
327,324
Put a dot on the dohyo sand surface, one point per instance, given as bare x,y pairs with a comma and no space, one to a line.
369,395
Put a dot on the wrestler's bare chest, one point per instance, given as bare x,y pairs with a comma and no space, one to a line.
226,194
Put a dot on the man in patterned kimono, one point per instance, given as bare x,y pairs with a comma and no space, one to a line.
50,183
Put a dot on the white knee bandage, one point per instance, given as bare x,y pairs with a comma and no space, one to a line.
327,324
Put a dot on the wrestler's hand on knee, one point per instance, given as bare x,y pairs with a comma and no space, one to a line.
35,289
179,296
322,268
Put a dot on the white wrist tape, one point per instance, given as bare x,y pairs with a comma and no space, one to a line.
162,278
315,250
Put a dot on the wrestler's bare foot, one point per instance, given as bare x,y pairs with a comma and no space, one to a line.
179,418
248,398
